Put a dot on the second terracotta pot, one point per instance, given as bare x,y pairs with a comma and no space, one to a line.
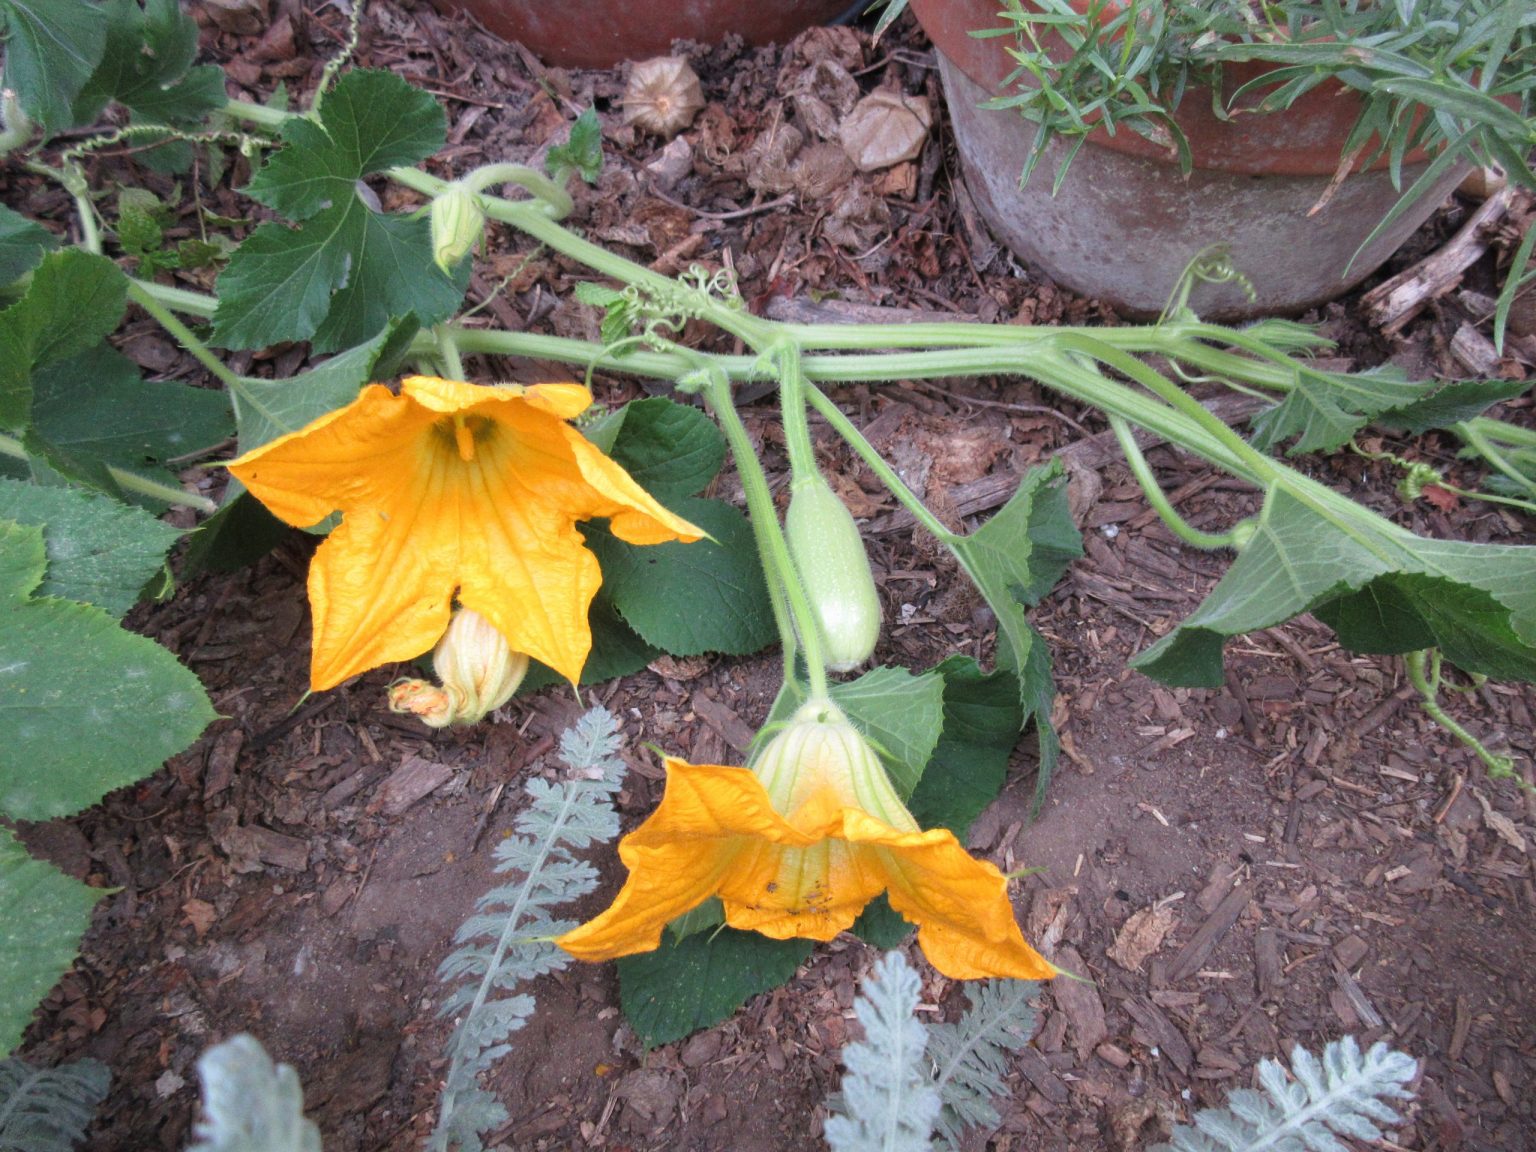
601,33
1126,221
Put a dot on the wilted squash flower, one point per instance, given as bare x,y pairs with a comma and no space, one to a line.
479,673
451,492
797,846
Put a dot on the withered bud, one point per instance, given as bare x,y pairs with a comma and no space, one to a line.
478,669
663,96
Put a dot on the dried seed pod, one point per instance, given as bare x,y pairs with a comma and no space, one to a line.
663,95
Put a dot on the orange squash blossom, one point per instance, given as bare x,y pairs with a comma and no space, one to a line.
451,492
797,846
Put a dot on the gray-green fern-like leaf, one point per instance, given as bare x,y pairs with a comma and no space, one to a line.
251,1104
889,1102
48,1109
970,1055
509,940
1341,1095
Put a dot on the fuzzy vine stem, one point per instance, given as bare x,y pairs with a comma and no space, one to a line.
447,349
126,480
1471,433
72,180
184,335
866,452
772,548
1424,673
1156,497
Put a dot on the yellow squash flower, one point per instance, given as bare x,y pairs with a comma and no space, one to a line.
451,491
798,846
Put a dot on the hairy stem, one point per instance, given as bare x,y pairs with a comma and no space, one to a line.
1156,497
773,550
184,335
1424,673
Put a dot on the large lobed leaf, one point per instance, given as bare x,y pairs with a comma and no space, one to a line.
43,914
1015,558
1380,587
146,66
339,277
74,300
23,243
99,551
51,49
87,706
93,412
689,984
1324,410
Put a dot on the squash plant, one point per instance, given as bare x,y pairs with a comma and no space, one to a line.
92,452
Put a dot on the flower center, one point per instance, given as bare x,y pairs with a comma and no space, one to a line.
464,431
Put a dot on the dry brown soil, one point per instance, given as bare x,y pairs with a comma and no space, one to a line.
1294,858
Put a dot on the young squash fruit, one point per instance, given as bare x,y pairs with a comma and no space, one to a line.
828,552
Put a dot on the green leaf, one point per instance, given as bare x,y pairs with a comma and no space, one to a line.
1328,408
1382,587
700,980
43,914
87,706
147,67
74,300
670,449
99,551
341,275
687,599
239,533
1457,401
93,410
23,244
267,409
1015,558
880,925
582,152
900,714
982,722
51,48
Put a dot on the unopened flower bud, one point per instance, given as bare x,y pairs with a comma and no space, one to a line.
458,221
478,669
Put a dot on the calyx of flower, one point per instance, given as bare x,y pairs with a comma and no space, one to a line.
478,670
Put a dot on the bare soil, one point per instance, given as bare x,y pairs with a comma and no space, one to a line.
1296,857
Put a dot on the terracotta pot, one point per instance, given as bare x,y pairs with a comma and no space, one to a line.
1126,222
600,33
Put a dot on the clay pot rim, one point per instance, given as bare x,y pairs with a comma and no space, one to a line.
1306,139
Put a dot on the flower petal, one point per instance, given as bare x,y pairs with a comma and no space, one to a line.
336,461
634,515
675,860
965,921
380,590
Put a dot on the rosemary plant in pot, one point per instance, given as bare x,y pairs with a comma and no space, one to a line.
1108,142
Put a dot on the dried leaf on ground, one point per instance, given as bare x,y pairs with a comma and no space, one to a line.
1141,935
